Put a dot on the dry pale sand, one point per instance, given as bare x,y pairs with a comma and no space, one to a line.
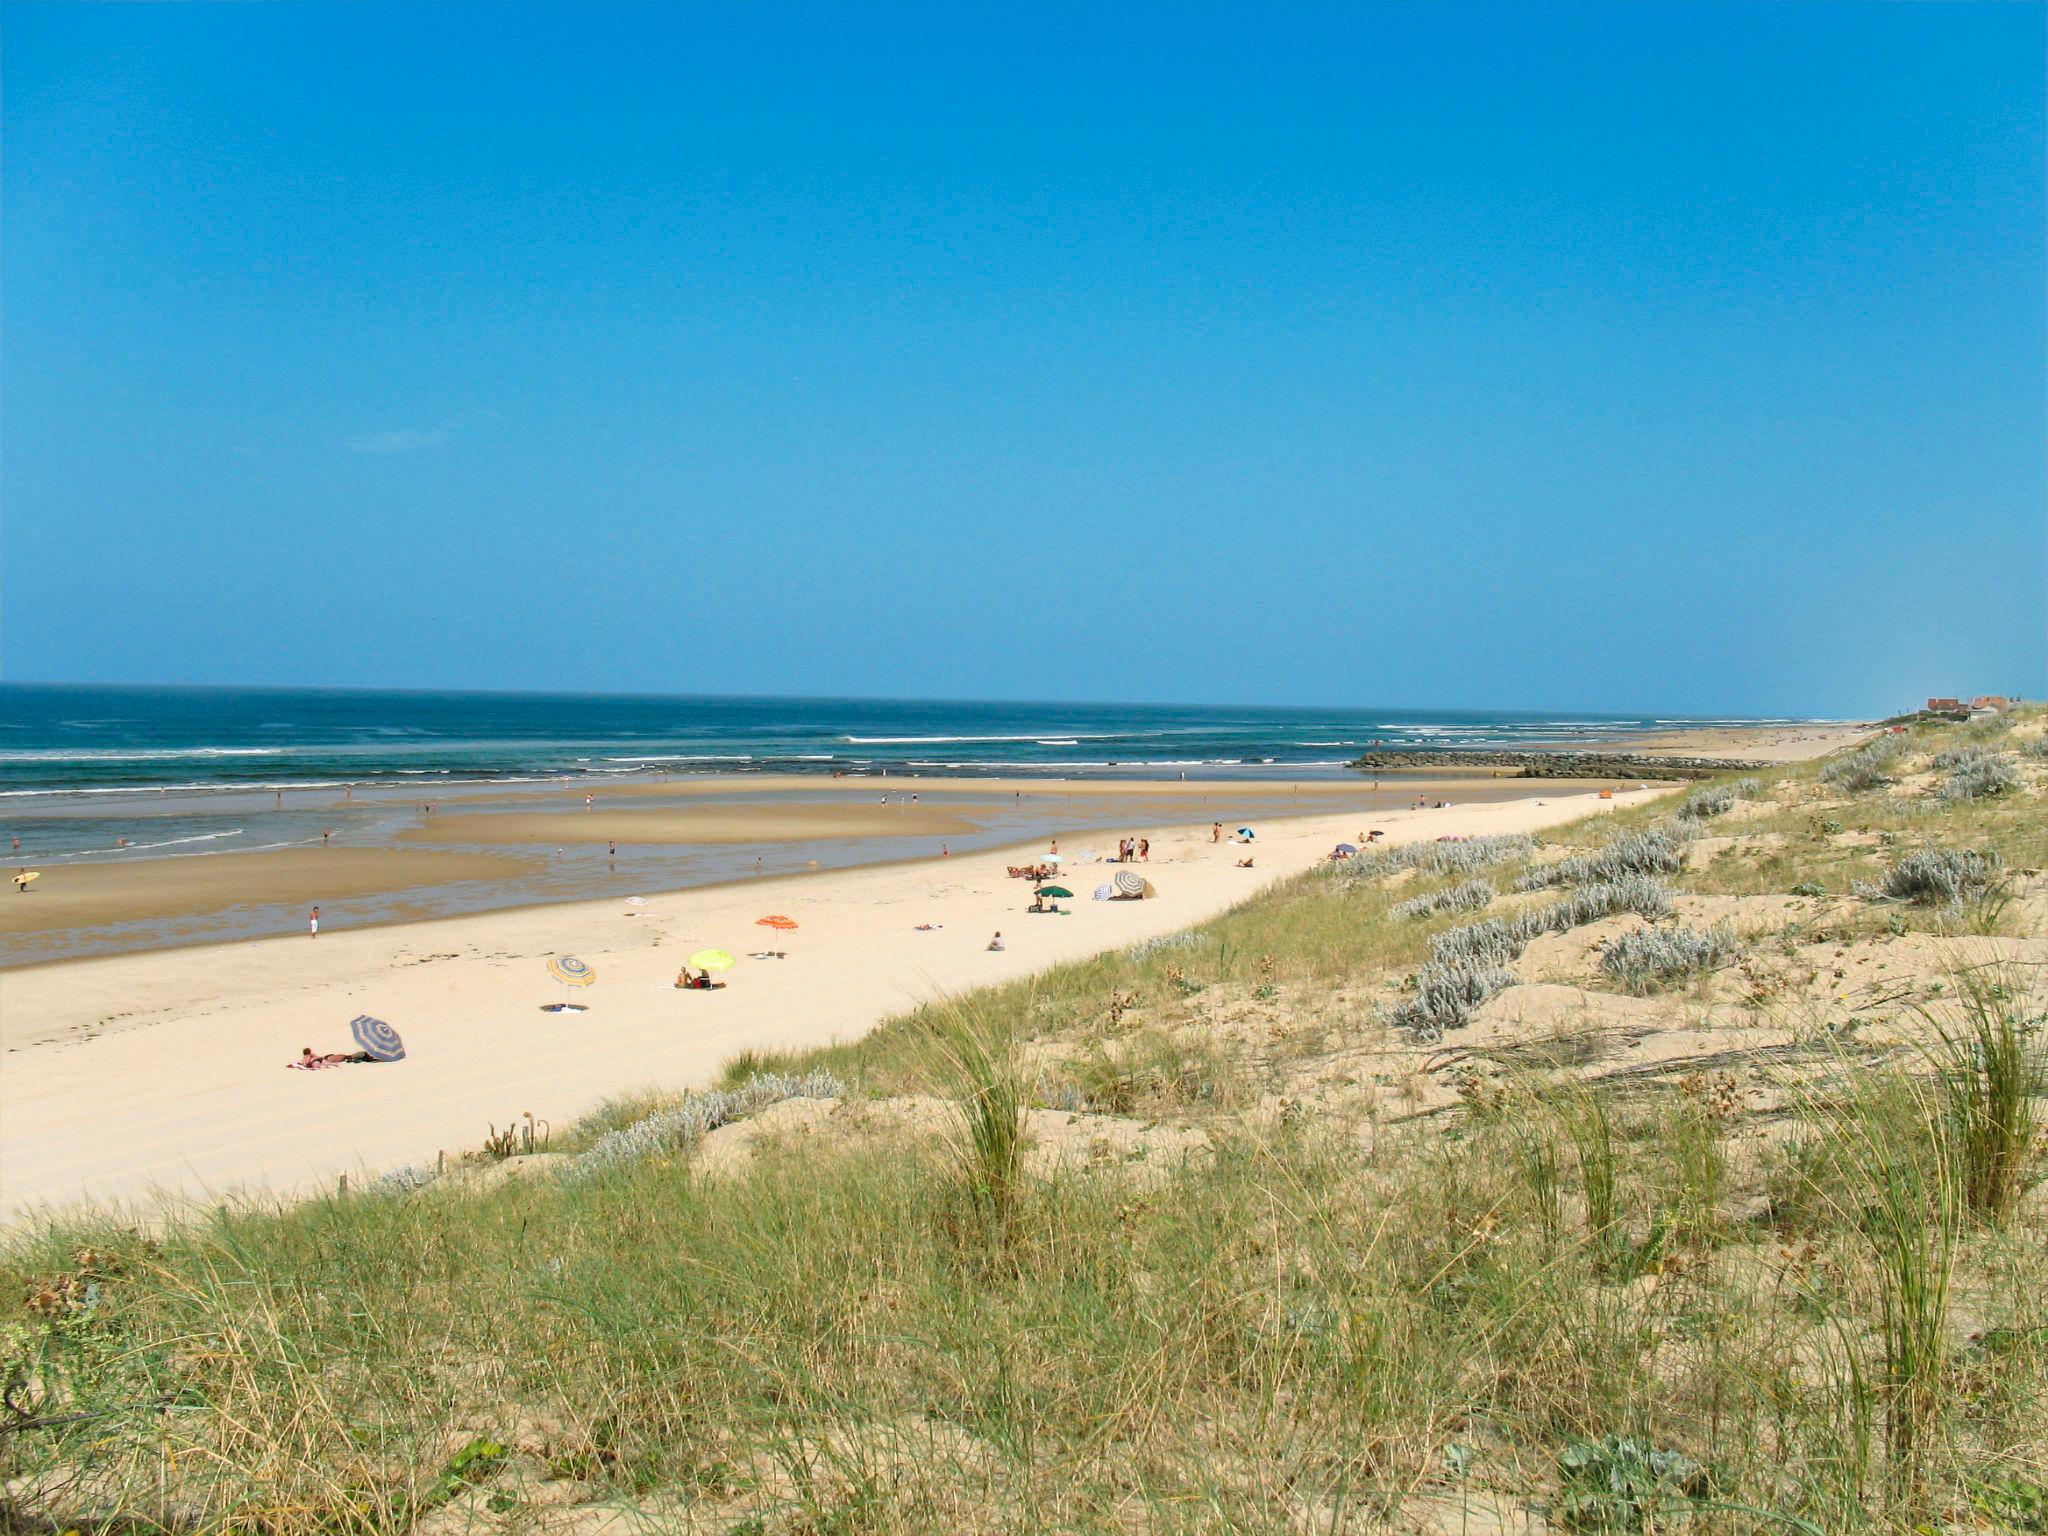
164,1073
1760,743
695,824
86,895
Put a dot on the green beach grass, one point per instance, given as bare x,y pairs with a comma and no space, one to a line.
1300,1270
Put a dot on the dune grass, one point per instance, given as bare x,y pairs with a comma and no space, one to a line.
1811,1298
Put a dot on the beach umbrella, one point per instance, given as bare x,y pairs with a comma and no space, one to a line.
1104,892
1051,858
377,1038
1130,883
785,924
636,901
1347,847
1246,832
712,960
571,972
1056,892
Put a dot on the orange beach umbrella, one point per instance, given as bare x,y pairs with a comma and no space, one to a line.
786,924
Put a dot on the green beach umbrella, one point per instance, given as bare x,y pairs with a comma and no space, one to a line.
1055,891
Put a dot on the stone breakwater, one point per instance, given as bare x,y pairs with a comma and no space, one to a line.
1563,764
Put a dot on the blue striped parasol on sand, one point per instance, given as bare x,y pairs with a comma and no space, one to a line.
377,1038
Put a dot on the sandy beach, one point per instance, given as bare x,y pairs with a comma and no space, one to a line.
164,1073
83,895
546,845
1790,743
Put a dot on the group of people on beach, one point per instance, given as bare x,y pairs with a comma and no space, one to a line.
1133,850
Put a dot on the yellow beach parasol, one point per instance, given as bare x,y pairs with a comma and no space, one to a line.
571,972
712,960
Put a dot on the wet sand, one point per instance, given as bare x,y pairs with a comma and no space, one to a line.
91,895
897,786
701,825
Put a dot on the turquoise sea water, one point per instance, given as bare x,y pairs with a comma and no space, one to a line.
63,740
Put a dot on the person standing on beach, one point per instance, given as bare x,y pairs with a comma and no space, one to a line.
313,924
1144,850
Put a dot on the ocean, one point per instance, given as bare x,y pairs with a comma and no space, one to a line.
61,740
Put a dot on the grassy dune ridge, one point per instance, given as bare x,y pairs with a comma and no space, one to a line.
1742,1232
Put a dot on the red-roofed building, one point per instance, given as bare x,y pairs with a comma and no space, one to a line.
1991,701
1944,706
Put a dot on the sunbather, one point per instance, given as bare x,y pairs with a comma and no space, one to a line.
308,1062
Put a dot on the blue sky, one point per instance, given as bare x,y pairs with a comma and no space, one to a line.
1639,356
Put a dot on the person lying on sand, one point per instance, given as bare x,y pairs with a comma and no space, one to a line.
929,927
769,954
1244,863
308,1062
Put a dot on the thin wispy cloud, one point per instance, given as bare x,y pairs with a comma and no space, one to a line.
403,440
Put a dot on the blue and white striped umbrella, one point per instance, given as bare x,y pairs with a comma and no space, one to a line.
377,1037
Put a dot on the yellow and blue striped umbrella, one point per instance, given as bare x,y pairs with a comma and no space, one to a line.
571,972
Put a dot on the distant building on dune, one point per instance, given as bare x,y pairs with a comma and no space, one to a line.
1944,706
1992,701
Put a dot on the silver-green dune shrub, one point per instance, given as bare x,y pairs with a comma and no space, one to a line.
674,1130
1479,946
401,1181
1498,941
2036,748
1979,775
1936,876
1471,896
1711,801
1447,996
1657,850
1166,942
1470,964
1866,767
1463,856
1648,958
1640,894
